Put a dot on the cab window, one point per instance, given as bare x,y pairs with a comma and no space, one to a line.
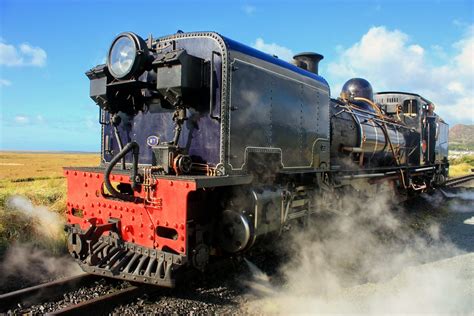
410,107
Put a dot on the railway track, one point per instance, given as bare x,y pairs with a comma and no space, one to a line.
459,180
67,296
24,300
102,304
46,291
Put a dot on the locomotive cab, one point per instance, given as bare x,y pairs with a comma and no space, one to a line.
417,113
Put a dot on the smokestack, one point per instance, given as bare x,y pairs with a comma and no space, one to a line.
308,61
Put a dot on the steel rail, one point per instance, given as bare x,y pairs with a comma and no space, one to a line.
103,304
459,180
43,292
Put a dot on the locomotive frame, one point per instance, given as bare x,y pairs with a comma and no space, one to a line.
208,146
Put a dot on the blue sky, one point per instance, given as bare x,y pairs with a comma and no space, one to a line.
46,46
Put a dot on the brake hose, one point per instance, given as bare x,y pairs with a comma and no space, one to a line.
132,146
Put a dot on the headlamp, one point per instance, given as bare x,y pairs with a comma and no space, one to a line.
127,56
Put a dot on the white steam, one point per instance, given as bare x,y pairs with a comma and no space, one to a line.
369,261
469,221
463,195
34,259
33,264
47,224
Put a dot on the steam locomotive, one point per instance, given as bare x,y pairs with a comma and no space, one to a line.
209,146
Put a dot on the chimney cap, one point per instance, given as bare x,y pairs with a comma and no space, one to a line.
309,54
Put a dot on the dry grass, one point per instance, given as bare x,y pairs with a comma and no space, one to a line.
17,166
39,177
461,169
461,166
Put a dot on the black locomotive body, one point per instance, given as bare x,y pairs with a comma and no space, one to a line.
209,145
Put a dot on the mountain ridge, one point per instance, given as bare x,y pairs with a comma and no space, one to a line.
461,137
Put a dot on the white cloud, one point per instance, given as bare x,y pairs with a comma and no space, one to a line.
459,23
23,55
390,61
249,9
22,119
5,83
282,52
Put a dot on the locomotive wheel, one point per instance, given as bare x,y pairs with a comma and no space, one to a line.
234,231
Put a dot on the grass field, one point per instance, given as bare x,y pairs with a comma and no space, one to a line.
461,166
38,177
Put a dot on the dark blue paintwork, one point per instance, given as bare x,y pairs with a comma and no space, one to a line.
233,45
200,134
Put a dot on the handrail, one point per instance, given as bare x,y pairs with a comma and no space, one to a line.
211,88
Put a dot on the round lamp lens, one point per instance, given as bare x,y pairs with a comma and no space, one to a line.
122,56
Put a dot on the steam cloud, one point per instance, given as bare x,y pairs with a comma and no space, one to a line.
48,224
466,195
368,261
34,264
34,260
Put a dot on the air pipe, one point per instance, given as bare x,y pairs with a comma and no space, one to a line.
134,147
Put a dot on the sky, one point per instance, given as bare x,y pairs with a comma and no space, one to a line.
426,47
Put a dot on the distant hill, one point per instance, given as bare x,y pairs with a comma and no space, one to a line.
461,137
